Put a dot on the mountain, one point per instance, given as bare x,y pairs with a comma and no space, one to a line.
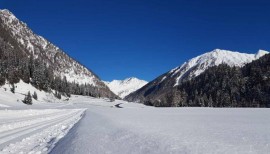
191,69
40,55
222,86
124,87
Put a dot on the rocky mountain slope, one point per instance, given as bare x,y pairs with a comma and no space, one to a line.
124,87
191,69
16,37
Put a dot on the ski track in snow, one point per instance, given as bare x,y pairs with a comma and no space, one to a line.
36,131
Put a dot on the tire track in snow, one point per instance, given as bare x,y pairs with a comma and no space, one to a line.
46,121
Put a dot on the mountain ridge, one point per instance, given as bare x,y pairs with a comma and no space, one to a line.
33,43
192,68
16,34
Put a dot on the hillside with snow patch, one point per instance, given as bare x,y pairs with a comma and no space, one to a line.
7,98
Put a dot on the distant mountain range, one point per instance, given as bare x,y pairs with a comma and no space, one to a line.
156,89
38,55
124,87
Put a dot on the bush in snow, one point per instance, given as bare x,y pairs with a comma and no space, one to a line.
28,99
112,99
35,96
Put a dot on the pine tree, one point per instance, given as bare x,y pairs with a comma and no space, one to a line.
38,78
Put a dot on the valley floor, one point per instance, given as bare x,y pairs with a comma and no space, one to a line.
120,127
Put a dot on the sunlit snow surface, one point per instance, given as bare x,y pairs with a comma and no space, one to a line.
136,128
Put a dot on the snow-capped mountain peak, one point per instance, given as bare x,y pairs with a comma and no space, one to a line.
199,64
128,80
260,53
124,87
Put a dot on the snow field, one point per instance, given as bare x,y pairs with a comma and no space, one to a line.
133,128
139,130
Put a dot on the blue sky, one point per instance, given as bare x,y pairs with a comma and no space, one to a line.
145,38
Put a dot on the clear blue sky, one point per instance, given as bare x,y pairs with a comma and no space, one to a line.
145,38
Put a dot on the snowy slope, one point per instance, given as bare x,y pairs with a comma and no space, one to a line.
53,56
7,98
124,87
191,69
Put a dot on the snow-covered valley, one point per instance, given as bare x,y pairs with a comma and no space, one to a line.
132,128
215,103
